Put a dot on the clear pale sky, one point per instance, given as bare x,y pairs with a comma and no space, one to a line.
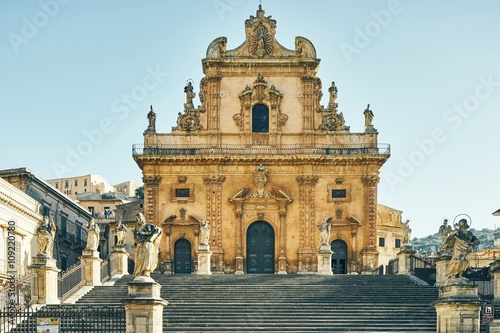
77,79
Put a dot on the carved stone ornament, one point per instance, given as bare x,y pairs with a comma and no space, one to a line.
189,120
151,180
276,196
261,42
332,119
370,181
260,94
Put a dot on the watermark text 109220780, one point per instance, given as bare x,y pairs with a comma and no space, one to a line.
11,270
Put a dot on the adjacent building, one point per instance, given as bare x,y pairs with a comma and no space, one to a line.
102,206
72,186
264,162
70,218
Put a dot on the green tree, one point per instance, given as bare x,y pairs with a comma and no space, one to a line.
139,192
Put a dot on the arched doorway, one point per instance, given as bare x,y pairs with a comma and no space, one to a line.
260,248
182,257
260,118
339,257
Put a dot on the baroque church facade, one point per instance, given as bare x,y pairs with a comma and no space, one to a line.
263,163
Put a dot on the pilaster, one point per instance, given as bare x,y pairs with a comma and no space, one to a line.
151,197
213,185
370,257
307,207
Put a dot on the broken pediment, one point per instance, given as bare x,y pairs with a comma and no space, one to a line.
260,180
260,42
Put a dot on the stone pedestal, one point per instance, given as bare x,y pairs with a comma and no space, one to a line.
458,306
325,260
204,256
282,265
404,258
239,265
166,267
92,263
441,264
121,255
46,275
144,307
495,270
369,260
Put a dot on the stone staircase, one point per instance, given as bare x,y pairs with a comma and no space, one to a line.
287,303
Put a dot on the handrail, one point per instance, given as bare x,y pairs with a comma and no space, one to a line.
71,280
294,149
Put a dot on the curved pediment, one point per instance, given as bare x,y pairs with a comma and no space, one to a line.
260,42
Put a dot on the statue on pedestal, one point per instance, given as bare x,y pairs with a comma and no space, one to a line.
92,235
369,119
151,120
460,242
324,230
204,232
46,233
405,226
147,237
444,231
121,233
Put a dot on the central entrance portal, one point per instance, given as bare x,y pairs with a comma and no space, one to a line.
182,257
339,257
260,248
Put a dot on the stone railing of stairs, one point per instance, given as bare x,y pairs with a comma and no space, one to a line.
287,303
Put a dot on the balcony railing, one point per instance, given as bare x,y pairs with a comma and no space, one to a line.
207,150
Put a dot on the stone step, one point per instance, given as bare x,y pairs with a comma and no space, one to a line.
292,303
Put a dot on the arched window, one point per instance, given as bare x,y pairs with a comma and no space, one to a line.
260,118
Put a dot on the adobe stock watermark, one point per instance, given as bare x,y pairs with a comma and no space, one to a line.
120,108
453,119
31,26
223,6
373,28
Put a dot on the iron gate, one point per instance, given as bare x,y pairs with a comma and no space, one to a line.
71,318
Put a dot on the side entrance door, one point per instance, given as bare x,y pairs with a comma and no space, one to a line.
339,257
182,257
260,248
